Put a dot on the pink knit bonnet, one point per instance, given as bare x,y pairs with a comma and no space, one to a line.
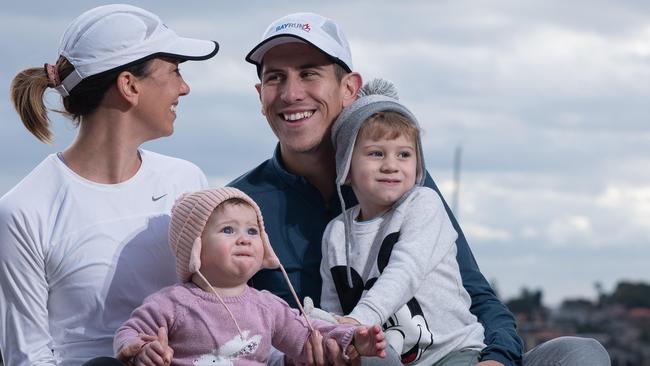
189,217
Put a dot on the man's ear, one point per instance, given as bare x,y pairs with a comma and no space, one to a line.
128,87
351,83
258,87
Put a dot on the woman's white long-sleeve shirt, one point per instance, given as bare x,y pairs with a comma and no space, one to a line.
76,257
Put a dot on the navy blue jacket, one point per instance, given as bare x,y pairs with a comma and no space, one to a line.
295,217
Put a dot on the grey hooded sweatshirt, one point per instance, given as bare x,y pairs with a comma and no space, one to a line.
399,269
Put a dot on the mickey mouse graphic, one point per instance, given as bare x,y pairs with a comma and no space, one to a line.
406,330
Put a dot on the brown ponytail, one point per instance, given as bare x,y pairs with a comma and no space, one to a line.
27,91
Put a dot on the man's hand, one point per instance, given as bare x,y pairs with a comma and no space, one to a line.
368,341
156,352
489,363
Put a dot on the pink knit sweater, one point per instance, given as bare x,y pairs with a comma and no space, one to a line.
202,333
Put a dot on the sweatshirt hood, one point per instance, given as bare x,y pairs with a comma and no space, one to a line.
378,95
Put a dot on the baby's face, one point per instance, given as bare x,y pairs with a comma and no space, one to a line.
232,249
381,172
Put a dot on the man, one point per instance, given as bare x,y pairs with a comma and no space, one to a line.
306,79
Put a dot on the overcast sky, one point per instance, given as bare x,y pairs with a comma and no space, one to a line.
550,101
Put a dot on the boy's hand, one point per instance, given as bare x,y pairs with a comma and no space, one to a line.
368,341
156,352
346,320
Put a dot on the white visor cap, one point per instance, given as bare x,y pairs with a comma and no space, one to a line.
112,36
313,29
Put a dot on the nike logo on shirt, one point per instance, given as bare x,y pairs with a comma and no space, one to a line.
154,198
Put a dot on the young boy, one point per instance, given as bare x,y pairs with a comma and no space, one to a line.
391,259
214,317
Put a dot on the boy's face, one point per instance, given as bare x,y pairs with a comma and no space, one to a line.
232,249
381,172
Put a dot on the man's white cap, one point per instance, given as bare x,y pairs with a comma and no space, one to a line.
118,35
313,29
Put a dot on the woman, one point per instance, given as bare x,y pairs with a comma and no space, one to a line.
83,238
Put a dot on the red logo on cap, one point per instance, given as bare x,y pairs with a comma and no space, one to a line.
305,27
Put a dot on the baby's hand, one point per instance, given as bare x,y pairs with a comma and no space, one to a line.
127,353
157,352
368,341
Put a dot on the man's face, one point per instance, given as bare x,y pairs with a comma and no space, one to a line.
301,96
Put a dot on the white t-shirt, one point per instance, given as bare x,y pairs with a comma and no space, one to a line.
76,257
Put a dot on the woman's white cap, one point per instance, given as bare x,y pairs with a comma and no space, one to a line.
112,36
313,29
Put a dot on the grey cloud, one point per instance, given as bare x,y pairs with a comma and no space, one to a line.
548,98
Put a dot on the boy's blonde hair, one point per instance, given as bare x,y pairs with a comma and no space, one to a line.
389,125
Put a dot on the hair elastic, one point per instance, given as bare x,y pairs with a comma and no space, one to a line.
53,79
